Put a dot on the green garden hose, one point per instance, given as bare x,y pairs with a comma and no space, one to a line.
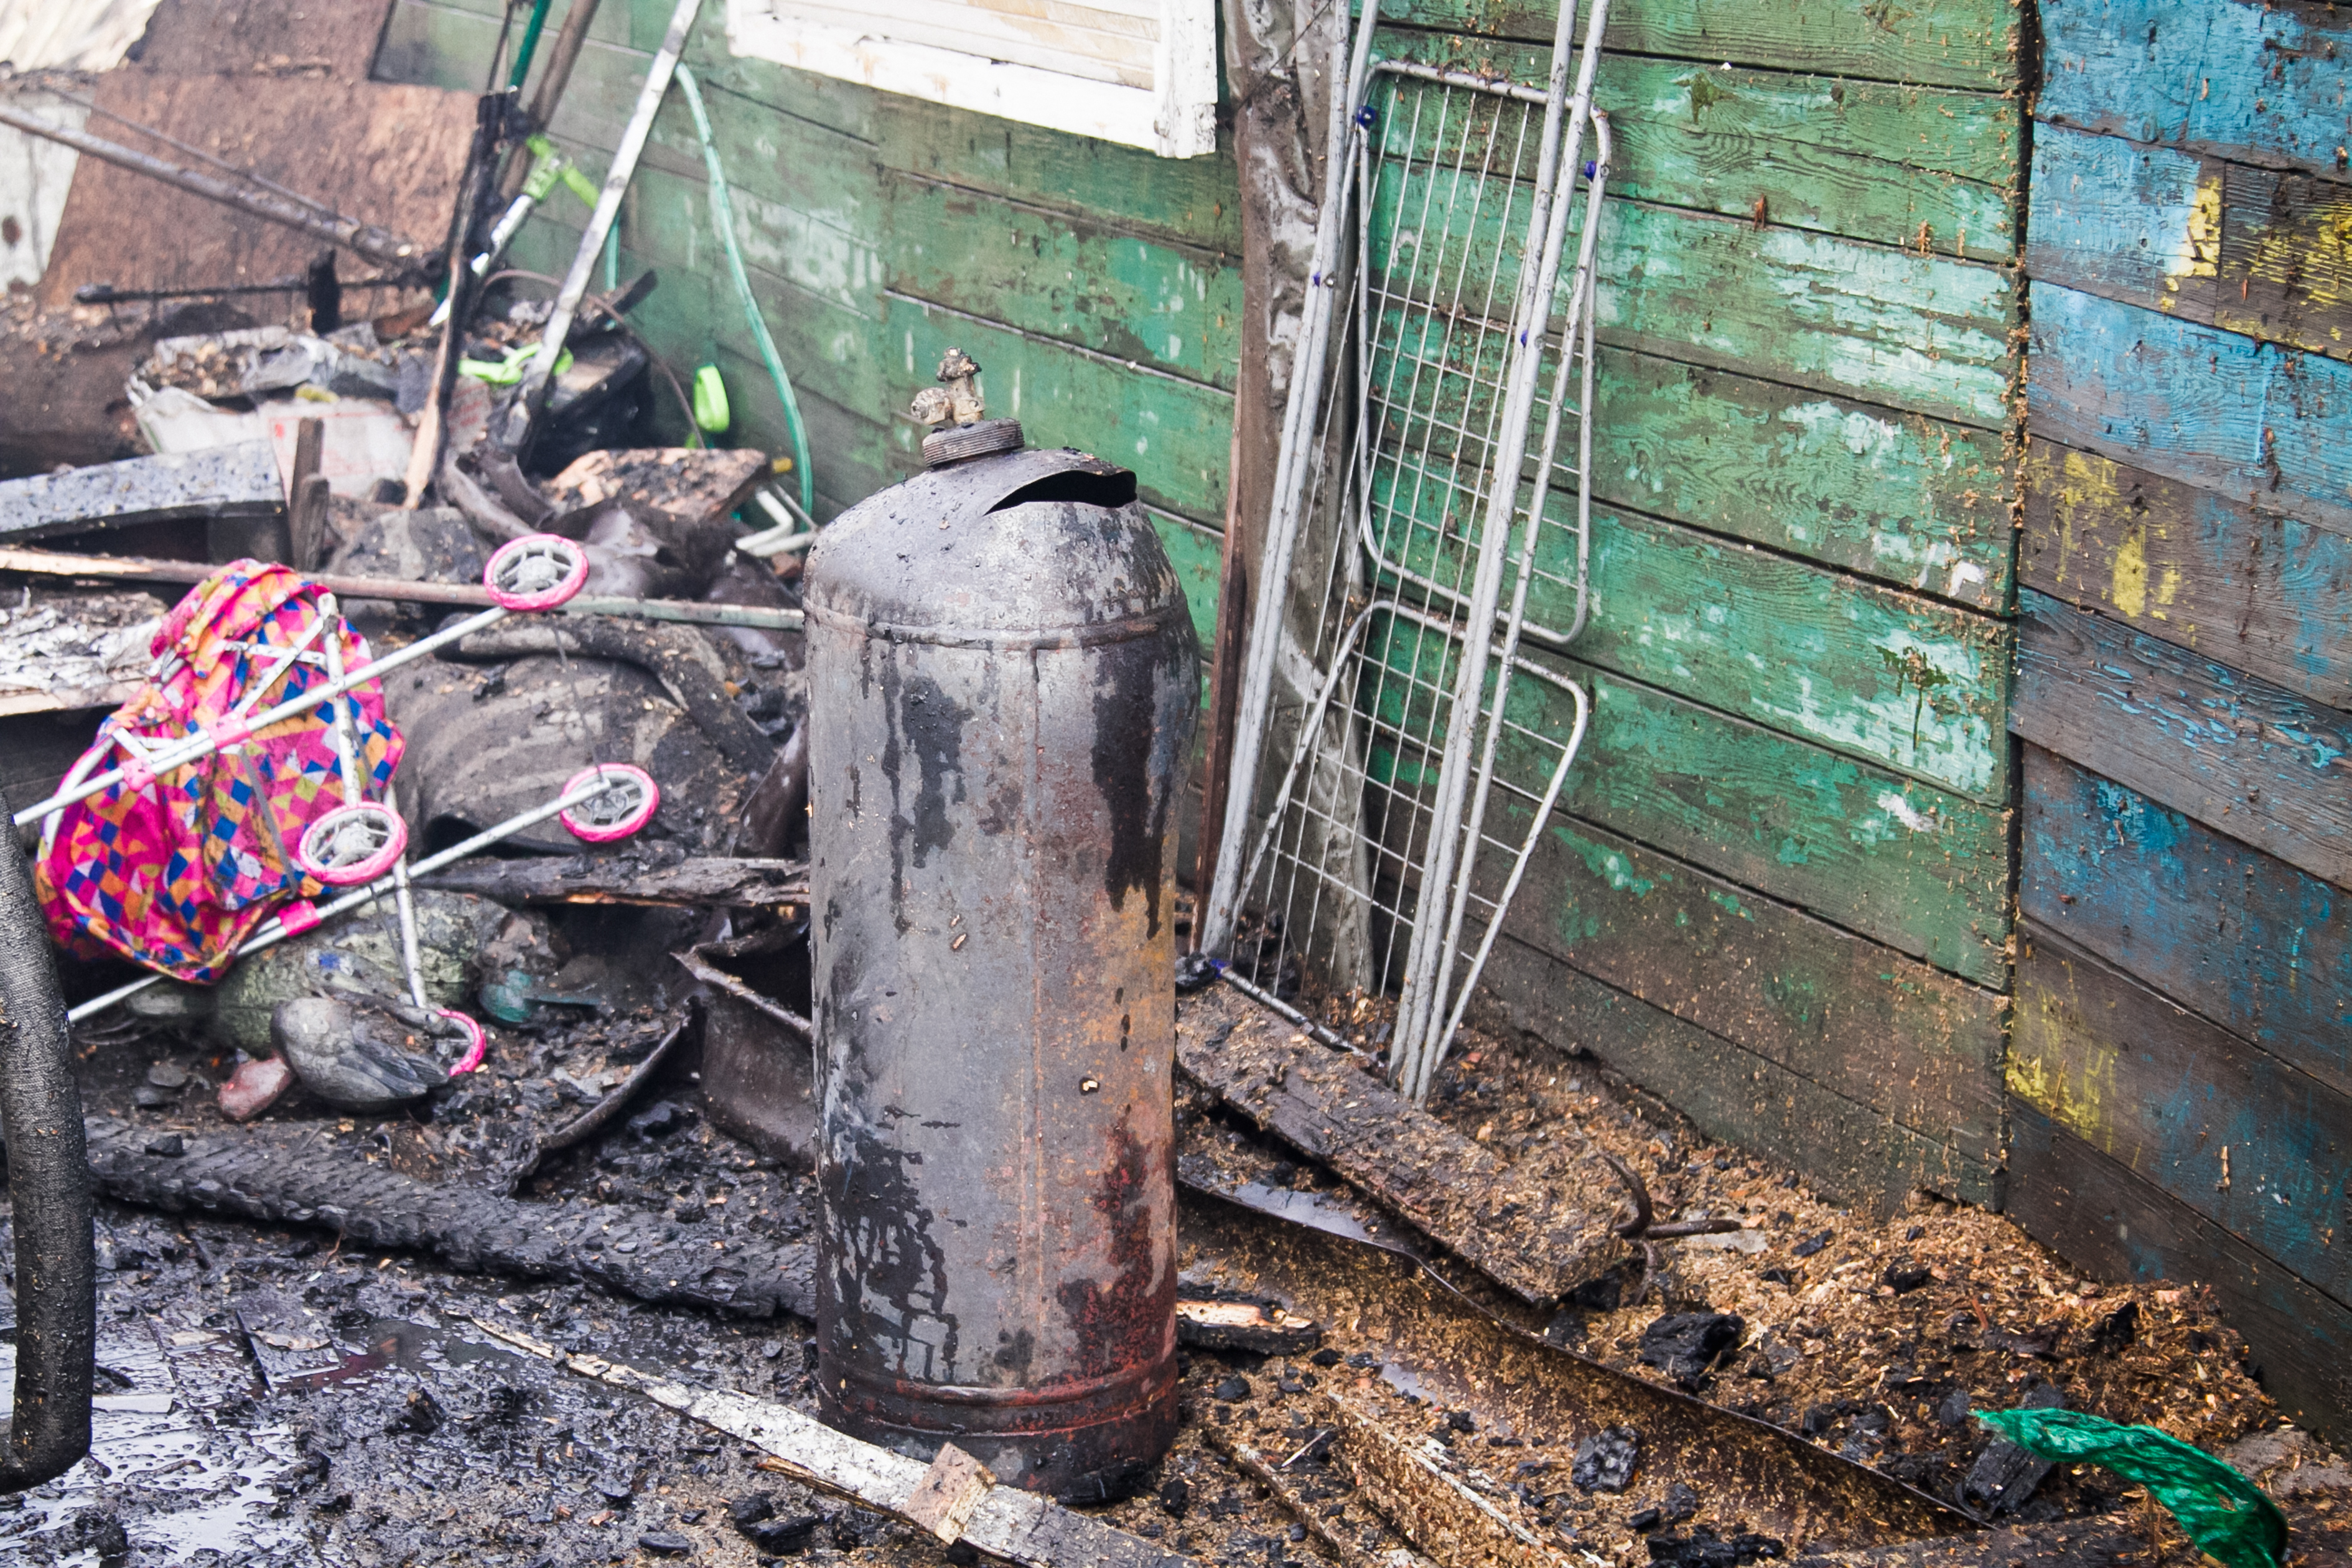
722,218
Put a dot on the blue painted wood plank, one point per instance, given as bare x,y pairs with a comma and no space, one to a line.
2239,936
2262,1150
2269,84
2264,594
2122,220
2241,755
2246,419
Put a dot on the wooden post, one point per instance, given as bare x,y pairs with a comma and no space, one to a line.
1224,680
306,501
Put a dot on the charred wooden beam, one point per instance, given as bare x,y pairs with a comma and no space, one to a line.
625,879
277,1179
1537,1243
239,481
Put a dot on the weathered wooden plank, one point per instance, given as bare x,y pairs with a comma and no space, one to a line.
2253,250
1923,871
1954,43
1884,1030
1176,309
1538,1240
2108,1221
2261,1150
1929,333
667,218
1886,676
224,482
2256,946
1186,200
2239,755
1846,1148
1868,160
2261,83
1889,495
1871,671
2247,419
2263,594
1175,434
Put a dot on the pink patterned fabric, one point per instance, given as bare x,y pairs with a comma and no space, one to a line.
176,870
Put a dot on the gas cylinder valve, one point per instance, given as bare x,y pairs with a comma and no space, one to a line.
955,405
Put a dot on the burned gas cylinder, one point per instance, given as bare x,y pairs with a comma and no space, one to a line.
1003,683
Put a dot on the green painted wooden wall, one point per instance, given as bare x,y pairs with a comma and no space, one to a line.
2185,669
1100,286
1779,896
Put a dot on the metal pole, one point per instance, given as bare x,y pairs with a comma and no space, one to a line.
380,245
531,396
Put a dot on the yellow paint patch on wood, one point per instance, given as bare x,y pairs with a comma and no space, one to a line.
2127,587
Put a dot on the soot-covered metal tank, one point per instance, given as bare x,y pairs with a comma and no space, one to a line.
1002,684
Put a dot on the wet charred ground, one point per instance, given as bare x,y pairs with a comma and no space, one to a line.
272,1395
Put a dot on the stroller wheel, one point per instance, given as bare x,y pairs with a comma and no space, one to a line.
477,1044
537,572
353,844
627,804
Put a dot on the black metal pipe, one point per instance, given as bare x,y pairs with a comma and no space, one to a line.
48,1194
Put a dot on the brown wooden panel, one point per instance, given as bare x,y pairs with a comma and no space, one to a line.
2103,1220
385,153
270,38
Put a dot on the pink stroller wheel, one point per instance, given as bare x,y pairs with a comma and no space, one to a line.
353,844
537,572
477,1044
627,804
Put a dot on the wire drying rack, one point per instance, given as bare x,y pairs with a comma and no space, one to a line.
1425,554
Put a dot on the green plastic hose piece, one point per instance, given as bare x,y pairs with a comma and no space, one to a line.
722,218
531,32
2229,1517
710,410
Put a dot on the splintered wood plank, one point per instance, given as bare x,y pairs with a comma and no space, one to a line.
2261,1150
2239,936
1922,870
1175,434
2248,420
1177,309
1956,43
2262,83
1881,1029
2261,592
2104,1219
1431,1507
1002,1520
693,482
628,879
1729,1093
1892,496
1868,160
223,482
2257,251
1538,1243
2239,755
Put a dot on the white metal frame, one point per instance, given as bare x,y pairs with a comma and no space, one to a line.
1175,116
1452,255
